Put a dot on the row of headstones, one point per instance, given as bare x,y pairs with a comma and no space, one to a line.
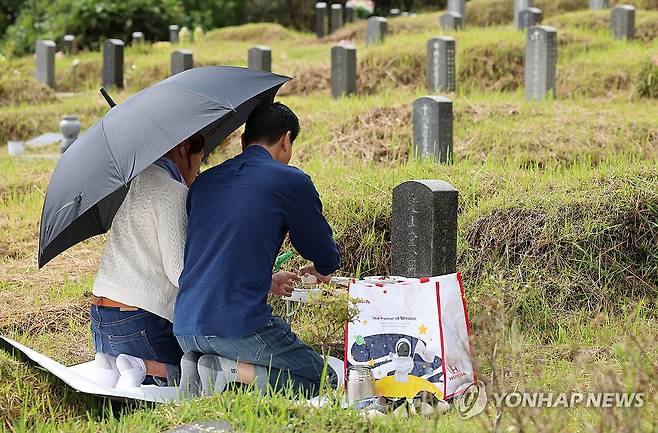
340,15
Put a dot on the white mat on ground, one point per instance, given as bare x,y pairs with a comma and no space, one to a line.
81,378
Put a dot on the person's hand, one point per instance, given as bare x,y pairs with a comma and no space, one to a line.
282,283
310,269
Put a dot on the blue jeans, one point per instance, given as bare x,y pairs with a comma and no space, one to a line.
137,333
287,358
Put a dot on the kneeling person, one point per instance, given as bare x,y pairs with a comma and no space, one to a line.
239,214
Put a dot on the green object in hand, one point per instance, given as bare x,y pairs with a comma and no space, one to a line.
281,260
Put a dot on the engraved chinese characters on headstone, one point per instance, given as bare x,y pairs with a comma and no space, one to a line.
459,7
377,27
598,4
343,70
45,62
451,21
69,44
174,33
530,17
138,38
113,63
321,19
260,57
432,124
622,22
336,21
519,5
441,64
540,62
424,229
181,60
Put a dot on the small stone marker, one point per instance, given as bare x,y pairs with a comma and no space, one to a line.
432,123
113,63
70,128
336,17
441,64
394,13
174,33
540,62
321,19
45,62
181,60
377,27
458,7
622,22
260,57
405,14
519,5
69,44
343,70
598,4
203,427
530,17
424,229
349,13
138,38
451,21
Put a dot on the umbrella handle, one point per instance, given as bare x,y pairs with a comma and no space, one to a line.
108,98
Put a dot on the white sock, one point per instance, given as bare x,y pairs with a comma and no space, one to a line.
213,378
133,371
106,369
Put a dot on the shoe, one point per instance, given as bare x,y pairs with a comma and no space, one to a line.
107,373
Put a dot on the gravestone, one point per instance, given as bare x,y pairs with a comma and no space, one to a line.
622,22
530,17
405,14
336,20
519,5
424,229
69,44
458,7
181,60
343,70
138,38
441,64
451,21
113,63
321,19
349,13
45,62
540,62
394,13
260,57
432,128
377,27
598,4
174,33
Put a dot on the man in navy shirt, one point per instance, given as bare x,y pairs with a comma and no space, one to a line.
239,214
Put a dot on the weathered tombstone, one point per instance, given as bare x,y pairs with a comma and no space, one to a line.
138,38
458,7
70,128
349,13
260,57
321,19
598,4
395,12
377,27
424,229
405,14
336,18
69,44
530,17
113,63
451,21
441,64
45,62
540,62
174,33
432,124
343,70
622,22
519,5
181,60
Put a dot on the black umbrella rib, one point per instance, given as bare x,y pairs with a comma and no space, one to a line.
109,149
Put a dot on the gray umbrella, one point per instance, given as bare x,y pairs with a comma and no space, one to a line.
92,177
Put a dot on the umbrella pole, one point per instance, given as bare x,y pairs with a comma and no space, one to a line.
108,98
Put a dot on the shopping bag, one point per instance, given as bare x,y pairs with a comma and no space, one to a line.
413,333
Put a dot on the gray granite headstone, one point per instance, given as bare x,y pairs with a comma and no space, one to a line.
432,128
395,12
622,22
138,38
113,63
45,62
343,70
69,44
336,18
181,60
174,32
530,17
424,229
451,21
349,13
540,62
441,64
203,427
377,27
458,7
321,19
519,5
260,57
598,4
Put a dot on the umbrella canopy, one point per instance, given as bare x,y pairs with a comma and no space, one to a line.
92,177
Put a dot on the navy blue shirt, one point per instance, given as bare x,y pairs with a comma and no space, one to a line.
238,216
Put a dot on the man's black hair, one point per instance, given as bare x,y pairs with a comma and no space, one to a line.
269,122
